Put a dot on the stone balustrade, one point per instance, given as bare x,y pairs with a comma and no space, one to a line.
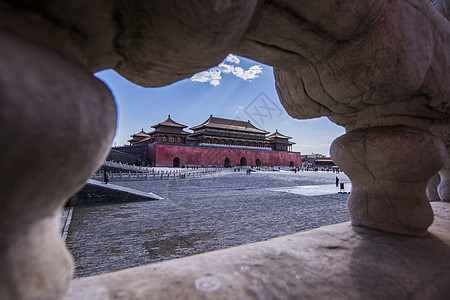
379,68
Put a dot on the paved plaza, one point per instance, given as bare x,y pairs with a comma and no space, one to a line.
202,214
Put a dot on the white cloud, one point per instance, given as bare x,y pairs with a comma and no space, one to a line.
225,68
213,75
251,73
232,59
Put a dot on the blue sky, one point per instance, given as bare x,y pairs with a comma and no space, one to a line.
238,88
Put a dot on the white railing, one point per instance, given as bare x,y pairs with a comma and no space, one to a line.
158,174
126,166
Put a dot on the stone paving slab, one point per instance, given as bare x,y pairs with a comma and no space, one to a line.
198,215
333,262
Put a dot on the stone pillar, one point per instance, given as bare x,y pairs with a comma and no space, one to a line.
57,122
389,168
444,186
432,193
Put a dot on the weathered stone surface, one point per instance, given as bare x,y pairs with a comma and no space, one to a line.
333,262
389,176
82,31
58,122
362,64
165,41
151,43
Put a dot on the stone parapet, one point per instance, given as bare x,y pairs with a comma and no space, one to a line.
379,68
332,262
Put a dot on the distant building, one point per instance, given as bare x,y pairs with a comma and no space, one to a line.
225,132
215,142
168,131
325,162
311,158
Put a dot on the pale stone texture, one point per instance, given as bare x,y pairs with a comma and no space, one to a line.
362,64
388,189
164,41
57,122
332,262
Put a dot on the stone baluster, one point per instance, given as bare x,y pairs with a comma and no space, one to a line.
389,176
59,122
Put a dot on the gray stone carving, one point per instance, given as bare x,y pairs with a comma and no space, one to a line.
379,68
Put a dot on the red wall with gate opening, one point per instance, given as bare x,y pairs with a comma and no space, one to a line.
163,155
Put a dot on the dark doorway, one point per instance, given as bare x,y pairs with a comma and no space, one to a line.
176,162
291,164
258,162
243,161
227,163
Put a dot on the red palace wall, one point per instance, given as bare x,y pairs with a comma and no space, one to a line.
163,155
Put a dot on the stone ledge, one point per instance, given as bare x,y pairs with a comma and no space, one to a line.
332,262
95,192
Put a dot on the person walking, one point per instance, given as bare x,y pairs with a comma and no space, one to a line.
337,182
106,177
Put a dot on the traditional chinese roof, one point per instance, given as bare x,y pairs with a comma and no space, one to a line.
169,123
139,137
227,124
140,134
276,134
169,126
166,130
231,134
279,138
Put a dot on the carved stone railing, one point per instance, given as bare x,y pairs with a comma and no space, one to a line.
378,68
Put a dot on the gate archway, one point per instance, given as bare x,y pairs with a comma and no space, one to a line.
258,162
243,161
176,162
227,163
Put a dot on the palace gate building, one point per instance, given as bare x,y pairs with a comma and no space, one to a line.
215,142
